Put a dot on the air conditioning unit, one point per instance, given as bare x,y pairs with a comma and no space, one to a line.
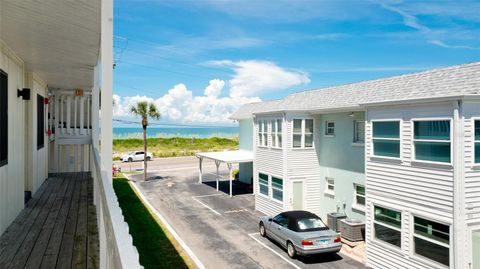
352,230
333,220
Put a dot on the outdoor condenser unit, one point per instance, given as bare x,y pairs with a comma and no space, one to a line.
352,230
333,220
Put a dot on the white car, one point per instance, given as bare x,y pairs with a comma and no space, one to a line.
136,156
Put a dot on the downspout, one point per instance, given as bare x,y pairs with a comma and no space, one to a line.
458,186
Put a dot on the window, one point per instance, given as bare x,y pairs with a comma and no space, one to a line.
432,240
388,225
276,133
359,131
279,133
263,183
359,195
308,133
297,133
477,141
262,133
330,185
277,188
40,122
386,138
330,128
3,118
303,133
281,220
432,140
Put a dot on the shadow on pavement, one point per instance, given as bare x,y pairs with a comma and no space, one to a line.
319,258
238,188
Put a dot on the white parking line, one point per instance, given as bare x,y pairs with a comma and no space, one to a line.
208,195
274,252
211,209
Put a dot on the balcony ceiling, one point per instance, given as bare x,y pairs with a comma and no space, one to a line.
57,39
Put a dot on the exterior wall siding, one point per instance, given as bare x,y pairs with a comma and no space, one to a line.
12,175
414,188
303,164
344,161
37,159
269,161
471,112
246,143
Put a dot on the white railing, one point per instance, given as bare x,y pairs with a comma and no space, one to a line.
116,244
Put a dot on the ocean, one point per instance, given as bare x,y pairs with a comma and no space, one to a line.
155,132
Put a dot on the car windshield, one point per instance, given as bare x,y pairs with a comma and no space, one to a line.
309,224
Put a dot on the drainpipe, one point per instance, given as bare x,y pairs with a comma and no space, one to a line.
458,186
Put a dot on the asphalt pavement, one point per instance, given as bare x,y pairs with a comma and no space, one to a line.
221,231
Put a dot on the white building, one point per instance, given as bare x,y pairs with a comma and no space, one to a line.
402,153
55,56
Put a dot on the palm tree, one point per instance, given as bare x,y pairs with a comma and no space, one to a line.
145,110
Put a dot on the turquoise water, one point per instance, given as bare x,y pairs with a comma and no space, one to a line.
154,132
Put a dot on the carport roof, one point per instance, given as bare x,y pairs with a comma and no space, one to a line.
236,156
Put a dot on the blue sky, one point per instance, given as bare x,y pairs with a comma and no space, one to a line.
200,60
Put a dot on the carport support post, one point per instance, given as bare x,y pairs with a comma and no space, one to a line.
217,163
231,177
200,159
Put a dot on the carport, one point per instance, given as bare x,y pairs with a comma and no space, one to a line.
228,157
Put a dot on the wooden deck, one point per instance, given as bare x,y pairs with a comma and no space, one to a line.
57,228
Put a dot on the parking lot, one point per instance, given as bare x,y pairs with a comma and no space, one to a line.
221,231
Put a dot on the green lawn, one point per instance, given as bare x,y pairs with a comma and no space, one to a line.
153,243
176,146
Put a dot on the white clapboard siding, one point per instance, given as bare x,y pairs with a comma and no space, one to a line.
472,170
407,186
12,175
270,161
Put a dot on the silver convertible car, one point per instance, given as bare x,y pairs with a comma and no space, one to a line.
300,232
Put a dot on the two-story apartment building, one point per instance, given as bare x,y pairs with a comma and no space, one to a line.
402,153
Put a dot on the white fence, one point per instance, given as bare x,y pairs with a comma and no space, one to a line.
116,244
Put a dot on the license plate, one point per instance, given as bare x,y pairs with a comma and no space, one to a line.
323,241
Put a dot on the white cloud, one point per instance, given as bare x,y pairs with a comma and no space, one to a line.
254,77
214,87
179,105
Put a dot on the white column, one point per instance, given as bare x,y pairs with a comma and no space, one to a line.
200,160
95,110
230,176
459,225
217,163
106,43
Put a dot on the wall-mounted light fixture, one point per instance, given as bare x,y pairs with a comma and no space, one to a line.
352,114
24,93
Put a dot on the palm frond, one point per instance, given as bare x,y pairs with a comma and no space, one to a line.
153,111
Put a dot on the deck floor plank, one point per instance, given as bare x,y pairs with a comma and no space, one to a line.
57,229
25,218
43,218
51,253
80,246
14,243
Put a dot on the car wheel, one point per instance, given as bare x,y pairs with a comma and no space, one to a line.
149,159
263,233
291,250
130,160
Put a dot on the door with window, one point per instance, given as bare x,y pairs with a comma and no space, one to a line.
476,249
297,199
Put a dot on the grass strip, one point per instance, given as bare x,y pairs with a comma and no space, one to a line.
156,247
173,147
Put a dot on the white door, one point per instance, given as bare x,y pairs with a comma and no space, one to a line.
297,202
476,249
